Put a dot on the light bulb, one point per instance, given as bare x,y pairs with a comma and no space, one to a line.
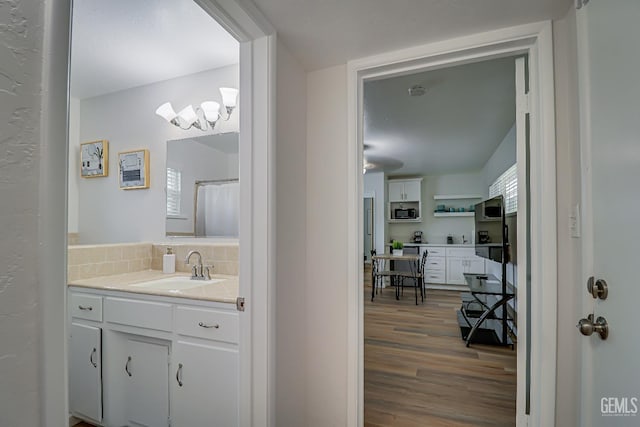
211,110
166,112
229,96
188,115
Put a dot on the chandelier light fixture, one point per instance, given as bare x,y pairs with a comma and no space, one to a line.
204,117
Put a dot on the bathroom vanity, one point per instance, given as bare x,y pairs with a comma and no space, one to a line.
150,350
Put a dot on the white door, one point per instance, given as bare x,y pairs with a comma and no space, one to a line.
455,270
205,385
609,64
85,371
412,191
396,191
146,372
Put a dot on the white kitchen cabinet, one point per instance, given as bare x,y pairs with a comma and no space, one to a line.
435,266
85,371
457,266
405,190
205,387
146,383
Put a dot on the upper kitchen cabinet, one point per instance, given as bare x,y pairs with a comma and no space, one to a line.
405,200
405,190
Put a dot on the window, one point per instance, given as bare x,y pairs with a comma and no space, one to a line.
507,185
174,188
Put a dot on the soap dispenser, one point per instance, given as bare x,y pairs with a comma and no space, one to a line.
169,262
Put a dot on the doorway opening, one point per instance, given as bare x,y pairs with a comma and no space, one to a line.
443,141
369,228
536,327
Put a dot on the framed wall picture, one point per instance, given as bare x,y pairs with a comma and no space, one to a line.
134,169
94,159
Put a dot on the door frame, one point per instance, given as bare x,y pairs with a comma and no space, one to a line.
257,229
536,41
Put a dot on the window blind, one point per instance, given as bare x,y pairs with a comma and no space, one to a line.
507,185
174,187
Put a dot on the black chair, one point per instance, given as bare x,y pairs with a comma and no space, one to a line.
416,276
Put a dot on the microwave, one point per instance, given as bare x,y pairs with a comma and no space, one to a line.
406,213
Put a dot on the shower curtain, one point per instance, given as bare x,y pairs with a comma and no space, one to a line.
217,210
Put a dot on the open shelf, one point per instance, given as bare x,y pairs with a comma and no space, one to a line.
452,214
456,196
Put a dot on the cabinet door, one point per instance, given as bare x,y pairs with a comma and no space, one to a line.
85,371
205,385
396,191
146,371
412,191
475,265
455,270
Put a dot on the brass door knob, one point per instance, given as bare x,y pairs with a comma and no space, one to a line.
587,326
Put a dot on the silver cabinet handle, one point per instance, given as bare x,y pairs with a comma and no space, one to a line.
126,366
93,353
204,325
179,374
85,307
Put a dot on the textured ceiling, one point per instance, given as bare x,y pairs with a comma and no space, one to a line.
322,33
455,127
120,44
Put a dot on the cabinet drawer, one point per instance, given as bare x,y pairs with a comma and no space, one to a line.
435,252
85,306
434,277
434,264
461,252
144,314
207,323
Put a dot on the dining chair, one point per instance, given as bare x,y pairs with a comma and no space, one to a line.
416,276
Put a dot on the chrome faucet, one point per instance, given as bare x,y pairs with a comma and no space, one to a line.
198,271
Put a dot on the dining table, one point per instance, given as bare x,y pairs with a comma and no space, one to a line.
394,275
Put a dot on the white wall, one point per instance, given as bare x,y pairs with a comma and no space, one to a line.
326,282
374,183
570,288
128,121
436,229
20,164
74,163
502,159
292,368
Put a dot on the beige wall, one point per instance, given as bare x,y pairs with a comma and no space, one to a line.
570,290
291,240
327,247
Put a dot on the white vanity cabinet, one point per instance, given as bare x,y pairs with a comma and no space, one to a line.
160,361
85,356
85,371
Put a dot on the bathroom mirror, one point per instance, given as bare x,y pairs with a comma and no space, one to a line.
202,187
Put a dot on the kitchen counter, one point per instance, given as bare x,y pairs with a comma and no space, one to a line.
225,291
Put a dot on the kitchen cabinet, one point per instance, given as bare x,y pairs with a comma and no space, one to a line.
156,361
404,194
461,261
146,383
205,387
85,371
406,190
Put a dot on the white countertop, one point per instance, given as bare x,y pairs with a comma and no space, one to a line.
225,291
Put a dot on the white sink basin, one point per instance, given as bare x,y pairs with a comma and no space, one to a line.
174,283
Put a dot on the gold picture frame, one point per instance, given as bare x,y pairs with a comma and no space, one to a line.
94,159
134,169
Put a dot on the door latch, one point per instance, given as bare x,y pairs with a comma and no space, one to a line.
598,288
587,326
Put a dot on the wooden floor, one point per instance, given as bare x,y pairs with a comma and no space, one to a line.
419,373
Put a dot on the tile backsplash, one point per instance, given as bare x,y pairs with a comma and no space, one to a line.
87,261
223,257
